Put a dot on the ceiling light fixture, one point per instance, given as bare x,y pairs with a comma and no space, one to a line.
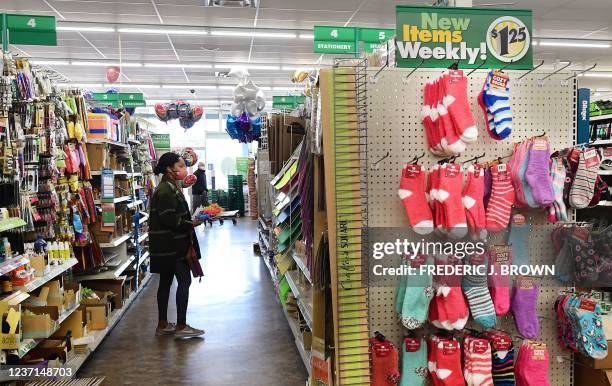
306,36
189,86
132,85
177,65
104,64
574,44
226,87
597,75
85,29
534,43
305,67
282,88
248,66
163,31
51,62
82,85
280,35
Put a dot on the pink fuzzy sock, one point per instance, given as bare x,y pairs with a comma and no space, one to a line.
431,131
499,283
473,201
449,193
412,194
502,198
453,143
456,102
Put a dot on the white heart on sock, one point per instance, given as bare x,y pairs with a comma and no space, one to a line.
442,194
403,193
443,373
468,202
444,290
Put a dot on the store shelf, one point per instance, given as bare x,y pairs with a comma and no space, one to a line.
52,274
265,241
134,175
108,142
144,257
28,344
299,341
115,173
264,226
600,117
605,203
11,223
13,263
143,237
116,200
303,296
133,141
601,142
134,204
604,172
116,242
301,263
111,273
77,361
144,217
271,270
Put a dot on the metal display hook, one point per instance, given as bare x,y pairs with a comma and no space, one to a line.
374,166
541,81
405,80
374,78
532,70
477,68
581,72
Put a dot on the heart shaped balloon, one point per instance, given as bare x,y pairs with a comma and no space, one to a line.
112,74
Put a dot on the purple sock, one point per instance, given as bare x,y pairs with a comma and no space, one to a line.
537,173
524,307
488,183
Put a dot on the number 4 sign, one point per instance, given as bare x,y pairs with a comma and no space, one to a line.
28,29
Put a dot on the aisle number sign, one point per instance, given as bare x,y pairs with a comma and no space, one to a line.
441,36
29,29
125,99
161,141
287,102
346,40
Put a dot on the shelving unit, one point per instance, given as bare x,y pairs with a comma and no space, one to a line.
115,173
11,264
52,274
604,172
116,242
303,294
107,142
143,237
111,273
116,200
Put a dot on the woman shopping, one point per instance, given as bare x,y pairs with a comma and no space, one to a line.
172,235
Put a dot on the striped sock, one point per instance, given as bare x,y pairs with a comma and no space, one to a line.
503,365
478,352
497,99
583,187
473,194
558,178
476,290
502,199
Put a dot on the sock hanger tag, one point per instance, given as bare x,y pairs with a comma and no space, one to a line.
587,304
449,347
526,283
412,343
452,170
412,171
500,254
455,75
499,80
501,343
591,159
539,144
539,354
480,346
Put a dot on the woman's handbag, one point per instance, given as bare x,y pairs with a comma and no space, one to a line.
194,262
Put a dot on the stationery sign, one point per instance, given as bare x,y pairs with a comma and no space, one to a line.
346,40
441,36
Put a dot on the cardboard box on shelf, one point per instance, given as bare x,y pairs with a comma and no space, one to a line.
113,285
56,293
39,265
97,156
50,349
96,316
73,323
600,364
39,325
592,377
72,294
40,299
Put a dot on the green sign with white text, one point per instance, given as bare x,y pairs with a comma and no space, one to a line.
161,141
30,29
125,99
441,36
287,102
346,40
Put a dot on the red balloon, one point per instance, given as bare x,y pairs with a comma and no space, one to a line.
112,74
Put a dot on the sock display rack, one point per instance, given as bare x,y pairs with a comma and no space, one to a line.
360,196
49,220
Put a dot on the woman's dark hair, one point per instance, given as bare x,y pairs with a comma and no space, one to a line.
165,161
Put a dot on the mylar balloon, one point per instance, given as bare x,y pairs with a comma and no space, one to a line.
161,111
260,98
238,72
251,108
236,109
112,74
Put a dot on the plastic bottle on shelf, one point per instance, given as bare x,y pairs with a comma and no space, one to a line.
53,253
7,247
65,250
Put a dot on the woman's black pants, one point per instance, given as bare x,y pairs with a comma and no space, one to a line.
183,277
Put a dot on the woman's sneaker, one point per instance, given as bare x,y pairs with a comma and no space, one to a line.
188,332
170,329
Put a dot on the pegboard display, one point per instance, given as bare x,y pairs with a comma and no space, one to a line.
394,126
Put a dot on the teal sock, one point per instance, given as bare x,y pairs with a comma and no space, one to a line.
526,188
417,296
401,291
414,362
519,242
476,290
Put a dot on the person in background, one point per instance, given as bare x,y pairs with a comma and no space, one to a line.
199,191
172,233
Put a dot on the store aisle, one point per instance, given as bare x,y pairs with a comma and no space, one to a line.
248,340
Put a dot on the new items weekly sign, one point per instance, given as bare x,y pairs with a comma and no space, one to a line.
441,36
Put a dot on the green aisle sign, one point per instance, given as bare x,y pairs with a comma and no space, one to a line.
161,141
124,99
30,29
287,102
441,36
345,40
